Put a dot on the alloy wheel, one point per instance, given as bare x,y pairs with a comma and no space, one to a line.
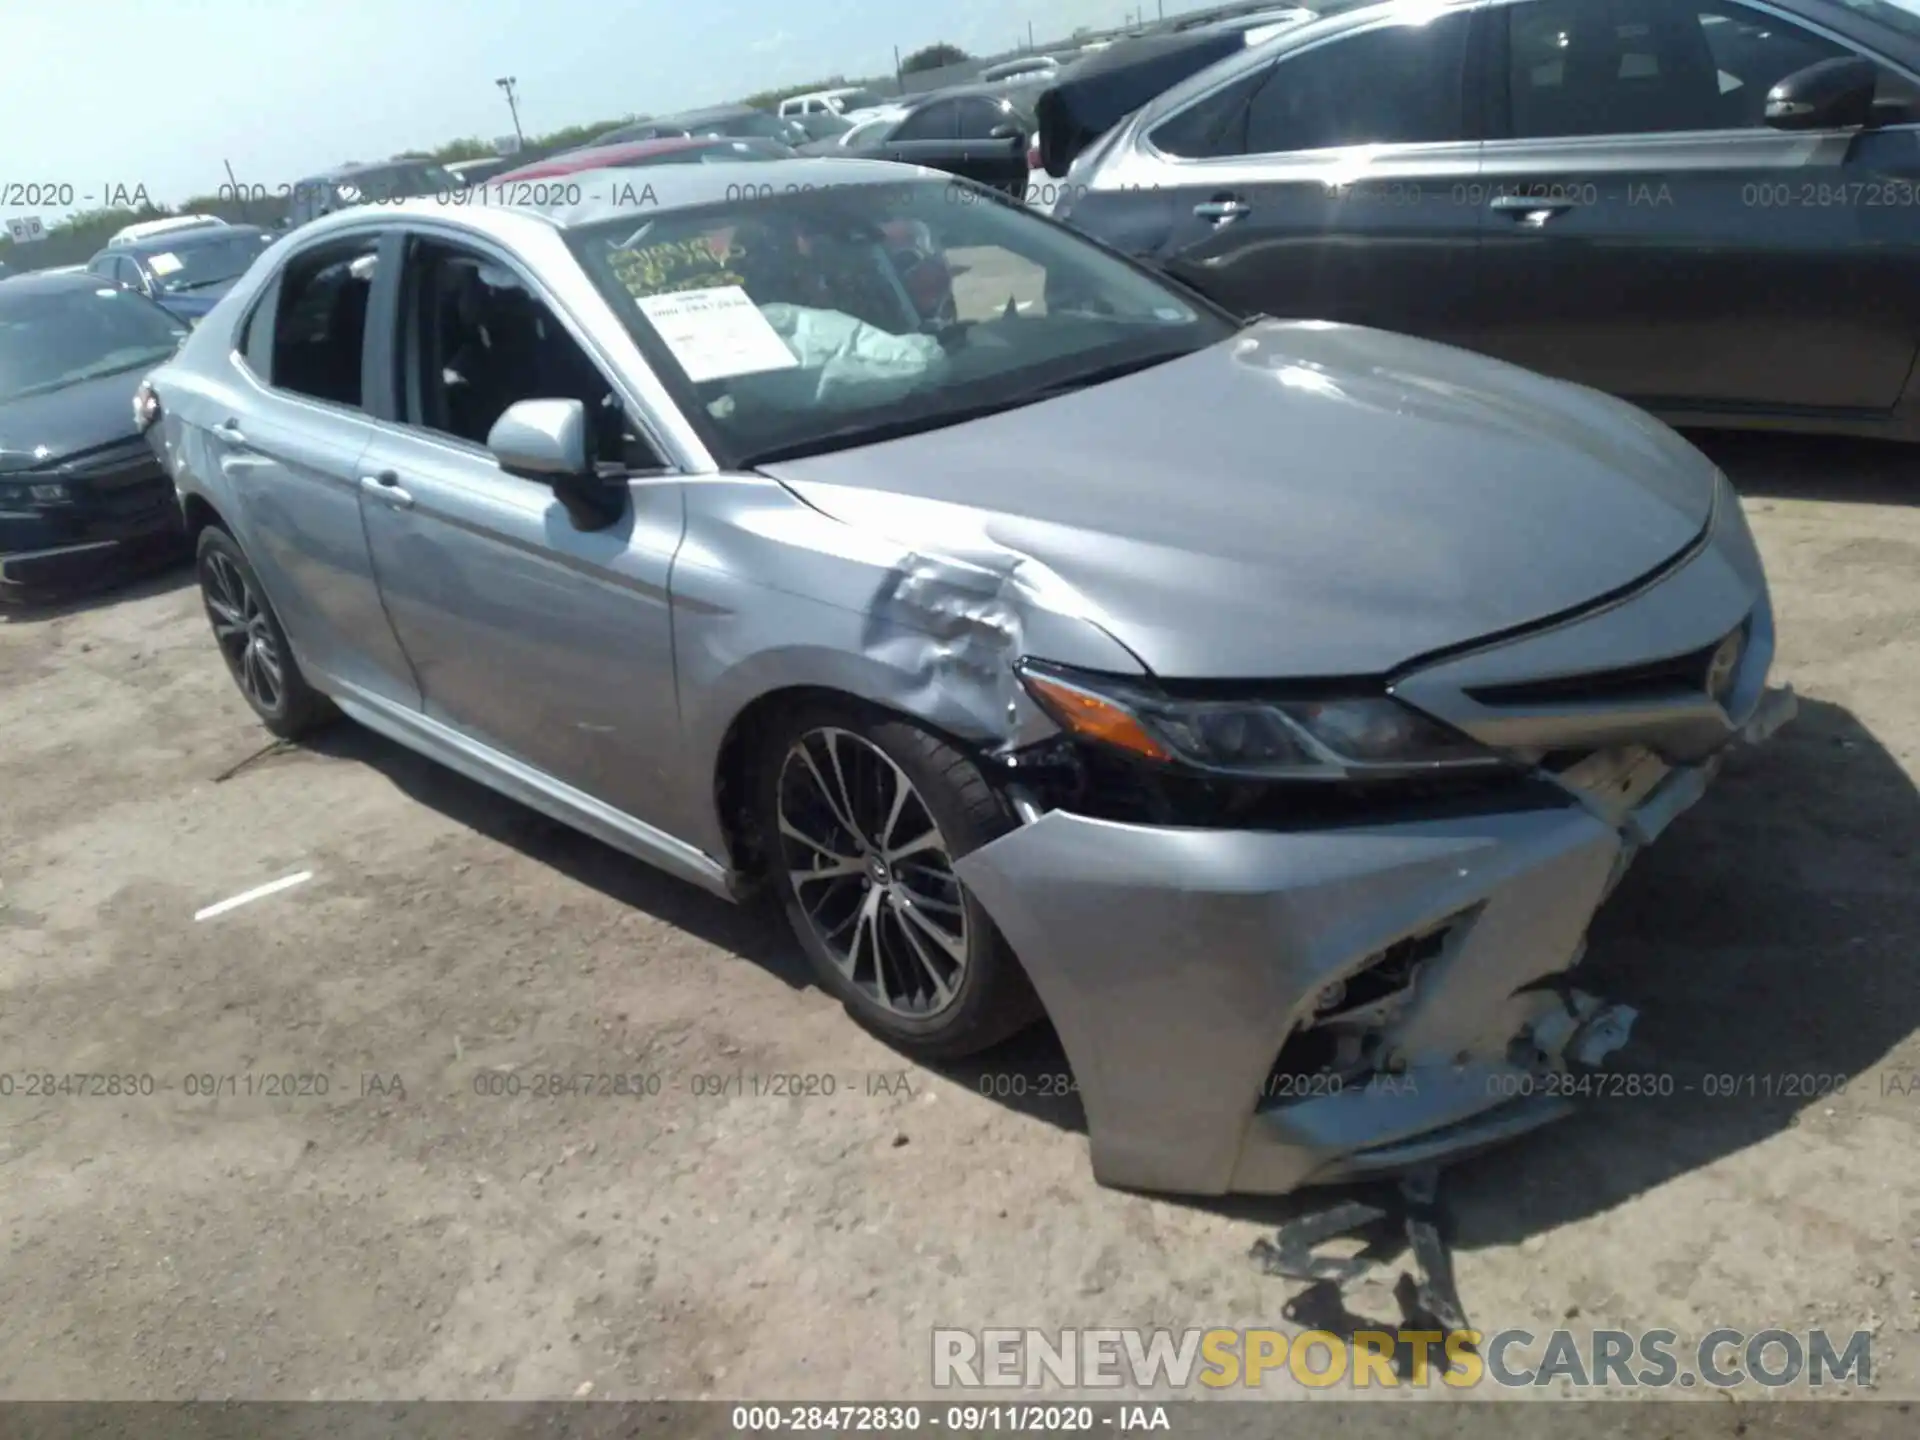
241,627
872,872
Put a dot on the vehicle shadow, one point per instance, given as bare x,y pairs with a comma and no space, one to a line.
754,932
1814,467
161,577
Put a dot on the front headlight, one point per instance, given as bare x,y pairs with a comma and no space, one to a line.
34,493
1337,738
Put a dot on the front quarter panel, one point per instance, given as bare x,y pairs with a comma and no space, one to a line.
771,594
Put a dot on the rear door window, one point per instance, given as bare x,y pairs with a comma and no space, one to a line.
320,323
1396,85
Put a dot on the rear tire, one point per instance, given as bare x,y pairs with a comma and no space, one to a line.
252,641
863,814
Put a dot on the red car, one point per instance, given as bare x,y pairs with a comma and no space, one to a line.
683,150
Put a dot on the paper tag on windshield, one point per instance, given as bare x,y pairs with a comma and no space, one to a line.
716,333
163,264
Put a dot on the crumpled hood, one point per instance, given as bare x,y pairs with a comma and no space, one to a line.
1303,499
44,429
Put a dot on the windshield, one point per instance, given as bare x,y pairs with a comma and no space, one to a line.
206,262
857,100
51,339
869,132
814,320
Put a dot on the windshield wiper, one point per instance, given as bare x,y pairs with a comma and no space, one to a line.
849,436
199,284
1099,376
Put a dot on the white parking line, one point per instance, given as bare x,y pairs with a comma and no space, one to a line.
272,887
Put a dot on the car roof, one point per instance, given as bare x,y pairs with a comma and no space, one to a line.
184,239
607,195
44,282
957,92
611,157
363,167
712,112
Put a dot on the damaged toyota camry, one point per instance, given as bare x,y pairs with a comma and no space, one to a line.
1269,705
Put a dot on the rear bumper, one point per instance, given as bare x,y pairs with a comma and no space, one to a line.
1176,963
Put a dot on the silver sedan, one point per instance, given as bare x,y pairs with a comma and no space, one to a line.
1268,704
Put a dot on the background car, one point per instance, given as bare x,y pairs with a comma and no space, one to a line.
478,172
82,497
768,538
846,101
351,185
968,131
729,120
172,224
187,271
1027,68
686,150
861,132
1706,210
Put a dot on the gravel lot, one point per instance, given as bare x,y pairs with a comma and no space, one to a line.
405,1234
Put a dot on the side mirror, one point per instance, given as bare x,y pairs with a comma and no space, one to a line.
1006,132
1833,95
546,440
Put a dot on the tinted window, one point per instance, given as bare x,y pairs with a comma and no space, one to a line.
1398,85
979,116
938,121
1624,67
1215,125
320,328
807,319
52,339
483,341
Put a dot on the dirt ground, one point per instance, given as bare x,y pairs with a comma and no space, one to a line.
411,1233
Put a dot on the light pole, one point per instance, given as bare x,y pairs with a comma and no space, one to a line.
505,82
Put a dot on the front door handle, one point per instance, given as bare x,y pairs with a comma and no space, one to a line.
1530,210
1223,209
386,487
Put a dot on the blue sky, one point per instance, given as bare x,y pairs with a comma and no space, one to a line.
104,93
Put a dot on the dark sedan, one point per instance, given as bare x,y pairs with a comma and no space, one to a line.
734,121
186,272
974,133
81,496
1711,209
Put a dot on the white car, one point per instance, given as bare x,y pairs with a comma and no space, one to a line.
147,229
846,102
871,125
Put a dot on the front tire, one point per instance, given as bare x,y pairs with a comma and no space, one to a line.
864,815
252,641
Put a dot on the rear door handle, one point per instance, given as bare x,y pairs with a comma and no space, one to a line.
1222,210
386,487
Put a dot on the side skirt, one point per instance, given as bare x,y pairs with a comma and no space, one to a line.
520,781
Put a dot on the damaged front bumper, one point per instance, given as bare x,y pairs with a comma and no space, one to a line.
1180,967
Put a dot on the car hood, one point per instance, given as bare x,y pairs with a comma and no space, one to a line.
195,303
1301,500
45,429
